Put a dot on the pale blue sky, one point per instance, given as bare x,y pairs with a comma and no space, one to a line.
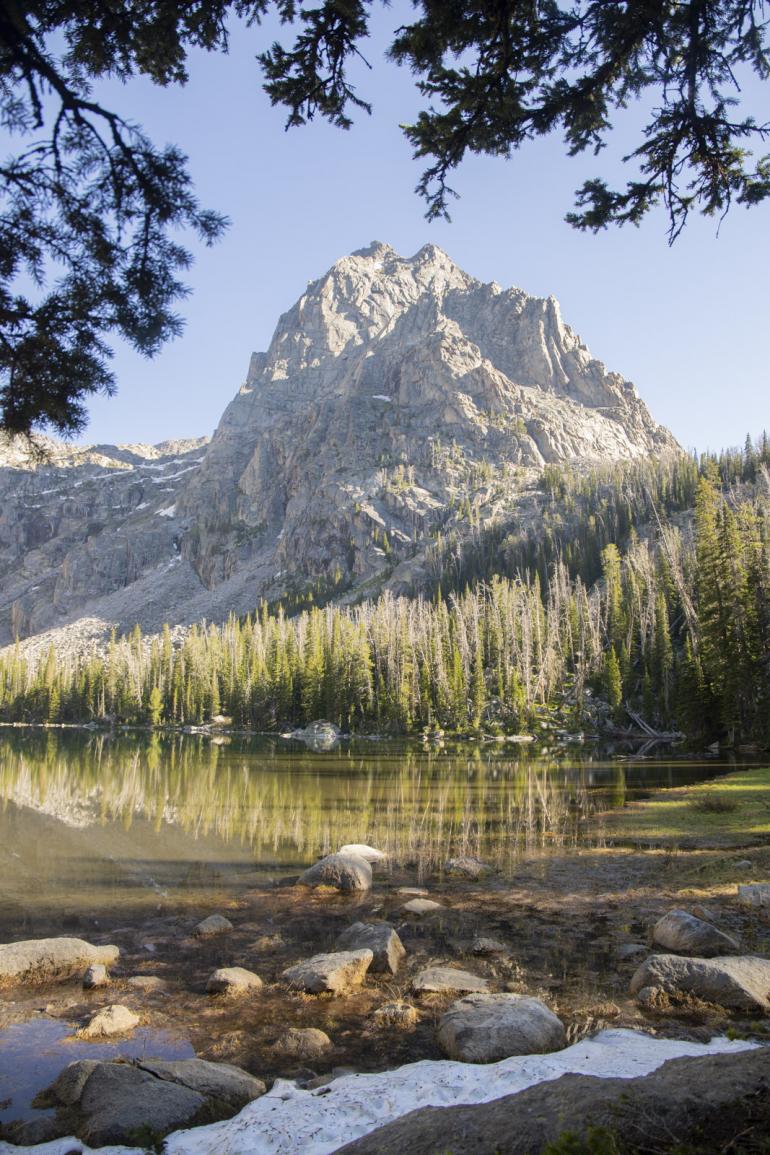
687,325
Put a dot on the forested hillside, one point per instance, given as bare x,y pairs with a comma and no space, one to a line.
645,585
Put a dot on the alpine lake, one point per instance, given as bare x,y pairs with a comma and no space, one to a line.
132,838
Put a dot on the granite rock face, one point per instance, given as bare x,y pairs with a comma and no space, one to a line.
391,383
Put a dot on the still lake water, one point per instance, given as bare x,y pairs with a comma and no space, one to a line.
96,828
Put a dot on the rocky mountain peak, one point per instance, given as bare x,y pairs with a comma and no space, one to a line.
396,395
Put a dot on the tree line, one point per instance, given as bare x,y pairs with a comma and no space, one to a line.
646,586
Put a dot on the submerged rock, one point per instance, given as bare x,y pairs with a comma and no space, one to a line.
402,1015
213,925
342,871
485,1028
740,983
682,932
339,971
378,937
467,867
306,1043
233,981
422,906
42,960
112,1020
148,984
435,979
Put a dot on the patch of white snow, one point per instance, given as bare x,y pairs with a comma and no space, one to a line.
292,1121
169,511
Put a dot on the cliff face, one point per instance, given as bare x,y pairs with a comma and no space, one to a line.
397,398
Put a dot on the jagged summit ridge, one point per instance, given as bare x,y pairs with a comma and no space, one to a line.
399,397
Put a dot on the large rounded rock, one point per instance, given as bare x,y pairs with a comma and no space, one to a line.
740,983
342,871
233,981
486,1028
113,1020
440,979
42,960
339,971
120,1102
378,937
684,933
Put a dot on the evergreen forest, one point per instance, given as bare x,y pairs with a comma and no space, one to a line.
643,589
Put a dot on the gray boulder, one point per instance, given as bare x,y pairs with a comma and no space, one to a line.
378,937
233,981
740,983
42,960
342,871
113,1020
682,932
213,925
119,1103
306,1043
438,979
465,866
486,1028
339,971
124,1102
218,1082
420,906
147,984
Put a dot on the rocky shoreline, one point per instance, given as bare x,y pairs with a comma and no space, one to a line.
353,967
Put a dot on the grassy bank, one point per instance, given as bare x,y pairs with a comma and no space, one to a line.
729,811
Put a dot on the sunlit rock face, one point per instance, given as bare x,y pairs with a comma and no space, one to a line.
398,398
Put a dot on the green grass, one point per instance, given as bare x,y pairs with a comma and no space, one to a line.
733,810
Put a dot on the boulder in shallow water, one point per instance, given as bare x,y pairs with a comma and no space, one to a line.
739,983
339,971
466,866
684,933
213,925
305,1043
42,960
486,1028
123,1102
233,981
378,937
113,1020
422,906
341,871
